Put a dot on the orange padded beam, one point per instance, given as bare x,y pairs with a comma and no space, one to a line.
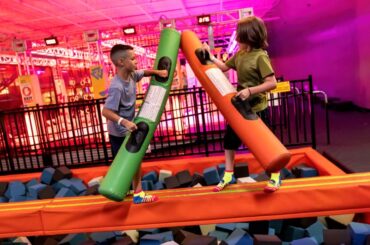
266,147
297,198
22,218
329,194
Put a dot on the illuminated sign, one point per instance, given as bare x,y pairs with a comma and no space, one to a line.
245,12
91,36
164,23
19,45
204,19
51,41
129,30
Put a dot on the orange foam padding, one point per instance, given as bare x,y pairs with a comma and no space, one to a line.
266,147
238,203
330,194
22,218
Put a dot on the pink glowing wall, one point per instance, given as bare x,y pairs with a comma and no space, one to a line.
328,39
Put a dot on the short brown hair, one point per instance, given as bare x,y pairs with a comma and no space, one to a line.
118,51
252,31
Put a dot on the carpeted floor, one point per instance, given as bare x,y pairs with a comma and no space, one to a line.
350,138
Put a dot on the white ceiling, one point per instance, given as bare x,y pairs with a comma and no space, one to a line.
68,19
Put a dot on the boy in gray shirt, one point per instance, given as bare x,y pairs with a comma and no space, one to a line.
119,107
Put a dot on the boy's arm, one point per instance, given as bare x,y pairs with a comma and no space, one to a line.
216,61
219,63
114,117
161,73
268,84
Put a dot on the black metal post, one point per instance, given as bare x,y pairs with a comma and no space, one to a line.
6,142
313,127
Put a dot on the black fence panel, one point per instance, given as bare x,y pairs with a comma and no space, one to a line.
75,134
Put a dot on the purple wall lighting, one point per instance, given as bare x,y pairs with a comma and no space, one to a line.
329,40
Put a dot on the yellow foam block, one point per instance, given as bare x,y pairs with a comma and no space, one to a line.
22,239
164,174
205,229
344,219
133,234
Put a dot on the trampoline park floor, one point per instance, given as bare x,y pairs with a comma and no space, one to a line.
349,146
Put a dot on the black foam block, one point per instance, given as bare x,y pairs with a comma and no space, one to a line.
198,239
198,179
43,240
181,235
92,190
46,193
336,236
241,170
50,241
3,187
62,173
266,240
184,178
333,224
193,229
126,240
144,232
259,227
171,182
301,222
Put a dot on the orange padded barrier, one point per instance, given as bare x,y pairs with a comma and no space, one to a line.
330,194
297,198
266,147
23,218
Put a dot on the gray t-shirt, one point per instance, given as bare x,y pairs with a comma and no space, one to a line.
121,99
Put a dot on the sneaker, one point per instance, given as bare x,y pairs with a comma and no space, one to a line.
220,186
274,183
142,197
224,182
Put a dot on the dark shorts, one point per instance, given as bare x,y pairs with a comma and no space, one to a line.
115,143
232,140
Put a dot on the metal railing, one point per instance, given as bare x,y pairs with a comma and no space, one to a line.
75,134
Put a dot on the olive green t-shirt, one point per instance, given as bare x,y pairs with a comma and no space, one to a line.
252,68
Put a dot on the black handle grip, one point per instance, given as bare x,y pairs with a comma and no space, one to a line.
137,137
244,108
203,56
164,63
